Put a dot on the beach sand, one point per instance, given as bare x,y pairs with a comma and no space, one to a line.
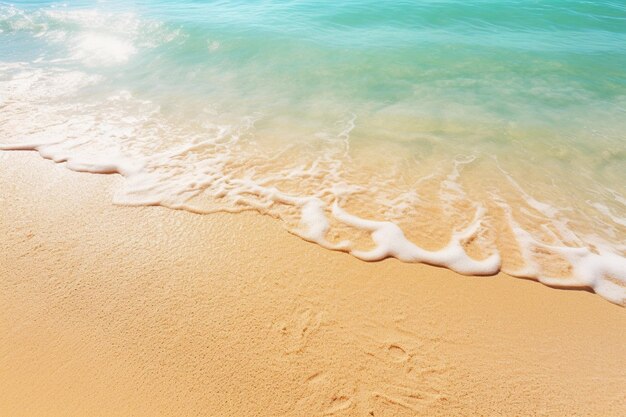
145,311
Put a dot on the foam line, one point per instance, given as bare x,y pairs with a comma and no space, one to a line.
391,242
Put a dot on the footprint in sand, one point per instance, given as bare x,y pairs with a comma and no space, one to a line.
299,328
397,353
339,403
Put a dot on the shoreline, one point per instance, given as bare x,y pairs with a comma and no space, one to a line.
111,310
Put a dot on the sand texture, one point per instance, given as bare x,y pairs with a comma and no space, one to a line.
120,311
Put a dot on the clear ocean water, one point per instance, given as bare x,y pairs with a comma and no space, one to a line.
475,135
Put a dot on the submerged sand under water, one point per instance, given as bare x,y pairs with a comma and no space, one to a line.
463,206
117,311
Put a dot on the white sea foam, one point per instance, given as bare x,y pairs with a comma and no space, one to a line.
599,267
391,242
96,49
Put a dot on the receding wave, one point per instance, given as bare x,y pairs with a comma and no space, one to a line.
473,191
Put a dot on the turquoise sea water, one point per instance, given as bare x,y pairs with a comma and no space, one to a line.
497,127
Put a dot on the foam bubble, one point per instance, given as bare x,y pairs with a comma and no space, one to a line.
97,49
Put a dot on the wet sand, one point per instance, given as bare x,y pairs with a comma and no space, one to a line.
120,311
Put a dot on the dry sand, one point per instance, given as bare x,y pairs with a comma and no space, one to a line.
118,311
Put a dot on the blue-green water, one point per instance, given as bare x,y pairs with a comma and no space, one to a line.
433,115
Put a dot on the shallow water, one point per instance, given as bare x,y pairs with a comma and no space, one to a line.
476,135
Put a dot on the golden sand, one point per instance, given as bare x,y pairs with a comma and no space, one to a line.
118,311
